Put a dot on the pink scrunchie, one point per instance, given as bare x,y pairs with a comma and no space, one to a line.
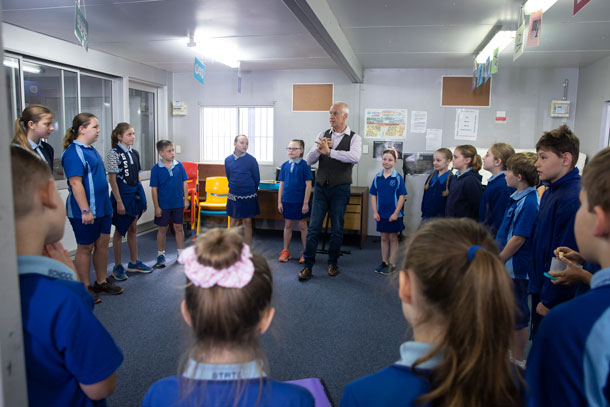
235,276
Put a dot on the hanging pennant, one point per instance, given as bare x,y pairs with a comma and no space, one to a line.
519,36
535,29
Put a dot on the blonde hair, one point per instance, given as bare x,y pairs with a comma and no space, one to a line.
469,151
473,299
81,119
32,113
502,151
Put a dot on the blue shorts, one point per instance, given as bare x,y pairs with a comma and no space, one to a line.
176,215
385,226
243,208
88,234
294,211
522,309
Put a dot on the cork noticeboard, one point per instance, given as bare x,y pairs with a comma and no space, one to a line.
457,91
312,97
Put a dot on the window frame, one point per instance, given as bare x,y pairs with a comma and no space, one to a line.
250,138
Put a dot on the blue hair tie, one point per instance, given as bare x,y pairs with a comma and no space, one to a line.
472,250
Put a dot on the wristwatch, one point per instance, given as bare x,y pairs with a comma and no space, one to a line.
84,211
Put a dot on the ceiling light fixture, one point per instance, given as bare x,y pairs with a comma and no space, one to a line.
534,5
500,40
213,49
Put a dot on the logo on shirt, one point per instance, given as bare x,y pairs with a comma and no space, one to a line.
393,183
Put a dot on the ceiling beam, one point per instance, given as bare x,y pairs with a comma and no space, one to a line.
319,20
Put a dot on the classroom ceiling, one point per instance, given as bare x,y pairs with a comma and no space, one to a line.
269,34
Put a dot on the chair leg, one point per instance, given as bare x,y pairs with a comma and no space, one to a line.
228,222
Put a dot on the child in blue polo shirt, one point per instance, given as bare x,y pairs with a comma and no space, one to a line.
458,300
293,195
244,176
227,303
465,191
557,154
170,197
436,190
514,241
388,194
569,363
88,203
128,198
496,194
70,358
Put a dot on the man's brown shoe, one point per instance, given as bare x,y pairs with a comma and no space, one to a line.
305,274
333,270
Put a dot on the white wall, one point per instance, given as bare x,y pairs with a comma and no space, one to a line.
28,43
593,91
525,94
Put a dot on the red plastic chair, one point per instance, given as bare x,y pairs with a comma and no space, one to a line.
192,172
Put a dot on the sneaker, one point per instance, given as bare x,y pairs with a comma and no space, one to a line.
138,267
383,269
284,256
160,262
107,288
96,298
118,272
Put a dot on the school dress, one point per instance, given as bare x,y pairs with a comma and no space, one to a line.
554,227
225,385
125,163
243,176
294,174
434,201
519,220
494,201
64,343
388,191
464,196
569,363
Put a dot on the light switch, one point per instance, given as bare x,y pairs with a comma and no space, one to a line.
178,149
365,149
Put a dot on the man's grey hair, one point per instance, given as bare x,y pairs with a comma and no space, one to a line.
344,107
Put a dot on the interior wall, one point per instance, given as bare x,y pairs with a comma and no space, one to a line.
525,95
593,92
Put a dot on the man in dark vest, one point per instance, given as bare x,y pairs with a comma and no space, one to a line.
337,149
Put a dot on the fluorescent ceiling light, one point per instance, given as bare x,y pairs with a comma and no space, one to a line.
215,50
535,5
500,41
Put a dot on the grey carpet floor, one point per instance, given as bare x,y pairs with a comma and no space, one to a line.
335,328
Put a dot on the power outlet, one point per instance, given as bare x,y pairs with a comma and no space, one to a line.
178,149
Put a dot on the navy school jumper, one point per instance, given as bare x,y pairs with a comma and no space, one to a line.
494,202
464,196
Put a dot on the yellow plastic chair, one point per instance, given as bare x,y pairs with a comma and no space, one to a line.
215,204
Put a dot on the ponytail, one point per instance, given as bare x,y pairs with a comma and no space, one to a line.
469,151
81,119
32,113
477,163
467,289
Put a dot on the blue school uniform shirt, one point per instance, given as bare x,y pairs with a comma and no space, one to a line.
243,175
433,203
64,343
519,221
225,385
464,196
294,174
554,227
388,190
94,180
494,201
569,363
169,183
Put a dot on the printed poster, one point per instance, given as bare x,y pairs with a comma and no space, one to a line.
535,29
466,124
419,122
434,139
494,61
519,36
386,123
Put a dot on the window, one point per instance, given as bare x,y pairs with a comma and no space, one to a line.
220,125
143,118
96,98
13,87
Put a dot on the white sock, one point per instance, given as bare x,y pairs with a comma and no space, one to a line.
179,251
160,253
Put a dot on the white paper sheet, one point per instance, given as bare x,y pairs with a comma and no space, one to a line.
419,122
466,124
434,139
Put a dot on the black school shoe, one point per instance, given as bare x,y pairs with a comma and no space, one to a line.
107,288
96,298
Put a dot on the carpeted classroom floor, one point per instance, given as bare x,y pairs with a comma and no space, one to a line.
335,328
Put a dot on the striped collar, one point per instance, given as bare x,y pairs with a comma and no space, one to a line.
208,371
